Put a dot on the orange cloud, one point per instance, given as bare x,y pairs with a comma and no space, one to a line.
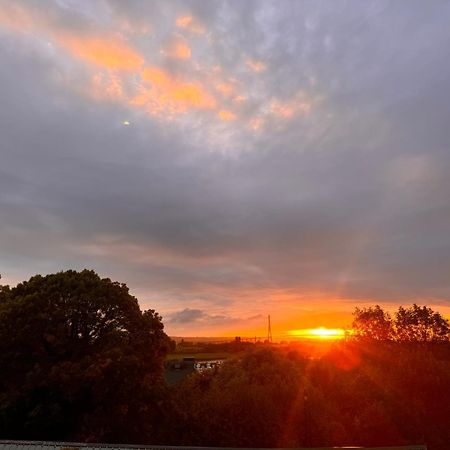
226,116
105,51
15,17
108,53
156,76
256,123
225,88
184,21
178,49
287,110
256,66
182,51
107,87
163,93
190,24
191,94
239,99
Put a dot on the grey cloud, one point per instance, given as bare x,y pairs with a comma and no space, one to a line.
188,315
320,203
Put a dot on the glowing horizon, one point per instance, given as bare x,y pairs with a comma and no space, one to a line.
319,333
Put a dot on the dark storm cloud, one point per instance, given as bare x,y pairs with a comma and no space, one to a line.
196,315
350,199
187,315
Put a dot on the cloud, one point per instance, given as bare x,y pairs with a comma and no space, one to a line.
191,316
161,93
227,116
103,51
190,24
324,185
187,315
178,49
256,66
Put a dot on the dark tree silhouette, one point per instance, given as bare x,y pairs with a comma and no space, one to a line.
372,323
413,324
79,360
421,324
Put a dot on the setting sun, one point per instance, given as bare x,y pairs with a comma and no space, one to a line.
319,333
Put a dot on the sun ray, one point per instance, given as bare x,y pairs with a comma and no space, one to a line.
319,333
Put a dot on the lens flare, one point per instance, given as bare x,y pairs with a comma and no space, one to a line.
319,333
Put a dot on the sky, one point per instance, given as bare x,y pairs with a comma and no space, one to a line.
227,159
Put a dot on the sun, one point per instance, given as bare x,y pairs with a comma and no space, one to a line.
319,333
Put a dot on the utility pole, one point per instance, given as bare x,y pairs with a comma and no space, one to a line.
269,330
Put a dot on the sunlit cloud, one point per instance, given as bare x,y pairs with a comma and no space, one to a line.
239,99
16,17
227,116
107,86
285,110
161,92
121,74
225,88
190,24
289,108
178,49
256,66
256,123
106,52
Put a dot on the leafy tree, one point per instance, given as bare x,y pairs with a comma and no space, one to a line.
79,360
4,290
386,394
372,323
246,403
421,324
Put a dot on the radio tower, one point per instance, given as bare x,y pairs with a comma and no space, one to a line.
269,330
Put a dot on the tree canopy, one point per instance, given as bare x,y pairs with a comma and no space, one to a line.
372,322
360,393
79,359
420,323
413,324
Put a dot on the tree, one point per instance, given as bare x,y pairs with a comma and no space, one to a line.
79,360
372,323
255,400
4,290
421,324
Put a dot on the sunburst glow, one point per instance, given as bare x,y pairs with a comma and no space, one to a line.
319,333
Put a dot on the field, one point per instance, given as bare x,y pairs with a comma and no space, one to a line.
203,356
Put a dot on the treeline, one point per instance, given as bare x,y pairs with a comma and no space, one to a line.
413,324
359,394
79,361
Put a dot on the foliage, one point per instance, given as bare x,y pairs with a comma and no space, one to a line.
79,360
4,291
235,405
362,393
372,323
420,323
413,324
